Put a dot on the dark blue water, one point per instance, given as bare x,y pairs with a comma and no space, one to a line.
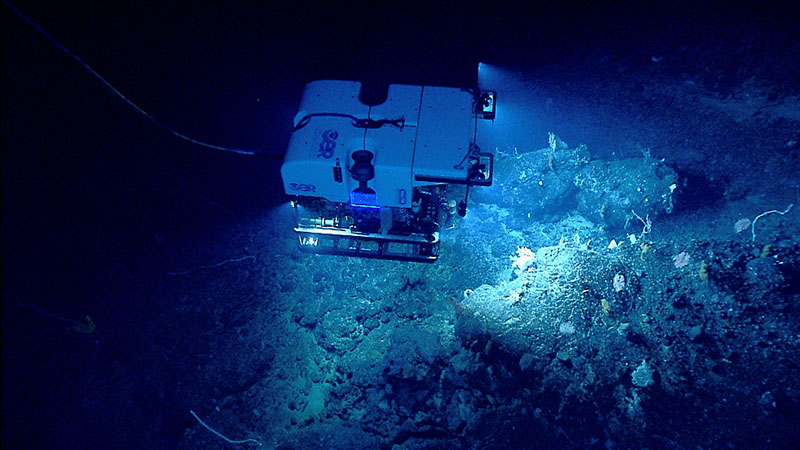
144,277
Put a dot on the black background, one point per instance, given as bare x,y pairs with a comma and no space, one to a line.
92,190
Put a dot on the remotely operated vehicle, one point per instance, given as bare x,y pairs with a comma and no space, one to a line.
378,171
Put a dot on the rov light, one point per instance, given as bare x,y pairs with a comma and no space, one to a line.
487,99
485,74
309,241
364,199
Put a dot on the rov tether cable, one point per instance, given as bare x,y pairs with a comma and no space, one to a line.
119,94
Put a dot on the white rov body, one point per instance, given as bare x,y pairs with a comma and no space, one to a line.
370,169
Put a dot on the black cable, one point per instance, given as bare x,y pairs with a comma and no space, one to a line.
372,123
307,118
130,103
356,122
